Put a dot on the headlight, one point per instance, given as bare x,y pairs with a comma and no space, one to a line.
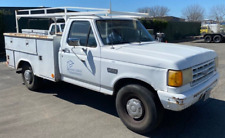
177,78
217,62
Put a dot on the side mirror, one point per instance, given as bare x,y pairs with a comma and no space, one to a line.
73,41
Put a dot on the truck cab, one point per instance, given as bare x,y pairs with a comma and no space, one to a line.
204,30
56,28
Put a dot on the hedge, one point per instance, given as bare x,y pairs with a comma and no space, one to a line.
2,49
173,30
157,25
180,30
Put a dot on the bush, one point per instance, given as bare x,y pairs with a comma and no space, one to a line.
172,30
3,13
2,49
180,30
156,24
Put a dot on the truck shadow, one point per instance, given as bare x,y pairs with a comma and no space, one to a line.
82,96
204,119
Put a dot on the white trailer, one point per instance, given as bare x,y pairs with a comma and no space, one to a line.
115,55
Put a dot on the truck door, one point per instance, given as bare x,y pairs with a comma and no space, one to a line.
80,56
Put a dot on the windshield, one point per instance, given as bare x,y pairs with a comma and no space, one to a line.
203,27
122,31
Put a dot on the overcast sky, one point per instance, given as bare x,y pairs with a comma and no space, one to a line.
175,6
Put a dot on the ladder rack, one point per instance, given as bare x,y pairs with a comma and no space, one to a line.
66,12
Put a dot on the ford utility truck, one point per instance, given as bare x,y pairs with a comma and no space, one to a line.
112,53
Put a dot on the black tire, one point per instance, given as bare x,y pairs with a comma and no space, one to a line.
208,38
152,111
217,38
34,82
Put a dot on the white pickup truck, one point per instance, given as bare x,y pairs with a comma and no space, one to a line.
117,56
51,31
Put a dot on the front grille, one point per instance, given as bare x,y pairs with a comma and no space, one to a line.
203,72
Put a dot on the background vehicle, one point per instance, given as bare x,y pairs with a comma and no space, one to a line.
213,32
116,55
52,31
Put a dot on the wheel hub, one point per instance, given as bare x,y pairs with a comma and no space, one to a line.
28,76
134,108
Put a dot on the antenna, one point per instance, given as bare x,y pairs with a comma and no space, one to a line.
110,7
110,12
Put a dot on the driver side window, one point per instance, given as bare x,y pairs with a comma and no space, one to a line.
82,30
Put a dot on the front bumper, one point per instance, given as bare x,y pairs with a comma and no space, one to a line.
178,102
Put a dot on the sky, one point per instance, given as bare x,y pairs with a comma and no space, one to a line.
176,6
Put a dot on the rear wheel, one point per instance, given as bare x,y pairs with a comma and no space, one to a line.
208,38
217,38
31,81
138,108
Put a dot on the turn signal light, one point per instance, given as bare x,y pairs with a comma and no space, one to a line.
175,78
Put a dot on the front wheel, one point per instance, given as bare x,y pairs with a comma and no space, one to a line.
138,108
31,81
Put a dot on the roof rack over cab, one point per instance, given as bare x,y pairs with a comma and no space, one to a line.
66,12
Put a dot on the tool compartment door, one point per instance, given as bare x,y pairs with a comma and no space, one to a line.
21,44
10,60
46,63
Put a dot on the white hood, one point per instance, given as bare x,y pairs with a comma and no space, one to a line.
161,55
